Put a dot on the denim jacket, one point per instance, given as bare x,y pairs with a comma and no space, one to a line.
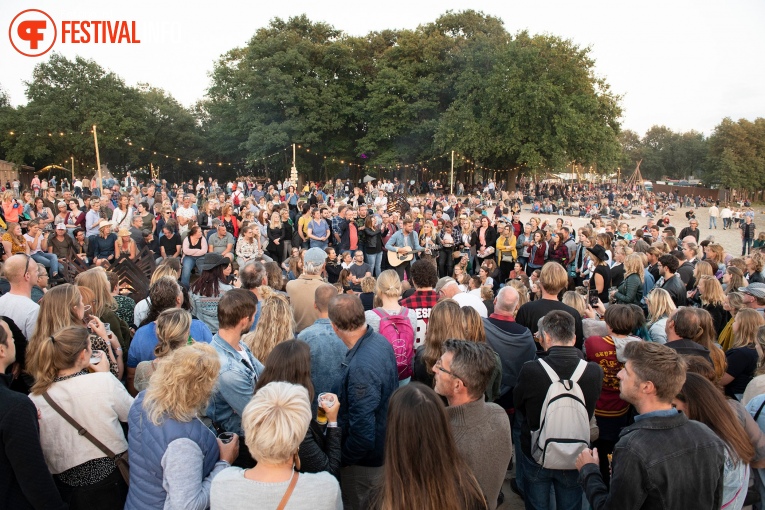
327,355
236,384
660,463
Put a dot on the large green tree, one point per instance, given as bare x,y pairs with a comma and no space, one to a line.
295,82
65,99
532,104
737,154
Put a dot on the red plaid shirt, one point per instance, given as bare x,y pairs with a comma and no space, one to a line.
422,302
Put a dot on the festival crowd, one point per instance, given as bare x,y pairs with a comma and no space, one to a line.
338,346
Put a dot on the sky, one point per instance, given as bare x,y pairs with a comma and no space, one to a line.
682,64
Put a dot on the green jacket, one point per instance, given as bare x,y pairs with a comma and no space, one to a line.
630,291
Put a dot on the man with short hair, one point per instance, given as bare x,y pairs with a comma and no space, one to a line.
185,215
239,370
17,304
672,283
302,289
402,242
649,467
692,230
552,280
748,233
481,429
755,296
368,379
714,213
681,327
448,288
136,233
327,350
359,270
93,218
558,340
424,277
221,241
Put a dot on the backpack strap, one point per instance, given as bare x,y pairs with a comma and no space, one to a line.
757,414
554,377
380,313
404,312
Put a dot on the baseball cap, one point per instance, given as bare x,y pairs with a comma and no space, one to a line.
443,282
756,289
315,256
60,226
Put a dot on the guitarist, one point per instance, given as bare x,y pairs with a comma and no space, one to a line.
404,241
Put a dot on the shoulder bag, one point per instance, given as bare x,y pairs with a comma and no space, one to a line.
121,460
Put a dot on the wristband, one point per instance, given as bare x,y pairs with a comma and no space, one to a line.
332,425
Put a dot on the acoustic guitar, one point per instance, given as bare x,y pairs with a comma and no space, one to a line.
407,255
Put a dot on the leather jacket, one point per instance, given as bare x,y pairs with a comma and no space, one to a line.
651,467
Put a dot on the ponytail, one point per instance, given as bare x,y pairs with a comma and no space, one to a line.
54,353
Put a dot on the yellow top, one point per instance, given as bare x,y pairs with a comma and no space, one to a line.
506,249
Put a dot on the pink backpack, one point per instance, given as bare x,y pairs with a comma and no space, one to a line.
397,329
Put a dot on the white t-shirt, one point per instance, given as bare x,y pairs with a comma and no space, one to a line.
22,311
473,301
184,213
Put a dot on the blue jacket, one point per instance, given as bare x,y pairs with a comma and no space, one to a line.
368,380
235,387
145,340
147,445
327,355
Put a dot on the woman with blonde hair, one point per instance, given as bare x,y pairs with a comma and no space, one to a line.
276,237
70,376
744,356
173,332
712,298
430,240
733,279
715,255
733,302
13,240
523,290
125,245
104,305
179,456
275,423
275,325
64,306
387,294
707,338
630,291
446,321
660,308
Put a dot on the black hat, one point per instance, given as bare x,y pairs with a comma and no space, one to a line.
599,252
212,260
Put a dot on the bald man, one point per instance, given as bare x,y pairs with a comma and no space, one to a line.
17,305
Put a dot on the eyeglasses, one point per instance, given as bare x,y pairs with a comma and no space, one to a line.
442,369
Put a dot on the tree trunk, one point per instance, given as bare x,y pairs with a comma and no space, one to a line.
512,175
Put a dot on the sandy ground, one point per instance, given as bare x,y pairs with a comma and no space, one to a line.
730,239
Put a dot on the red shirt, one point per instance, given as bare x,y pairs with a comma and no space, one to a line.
602,351
422,302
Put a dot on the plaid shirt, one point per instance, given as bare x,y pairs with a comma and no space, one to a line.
422,302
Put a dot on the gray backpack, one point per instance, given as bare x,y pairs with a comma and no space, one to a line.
564,429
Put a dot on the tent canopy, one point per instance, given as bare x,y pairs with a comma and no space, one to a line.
369,178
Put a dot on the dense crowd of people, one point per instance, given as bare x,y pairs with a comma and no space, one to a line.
340,346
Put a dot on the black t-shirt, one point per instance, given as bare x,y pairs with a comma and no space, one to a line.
617,276
603,271
742,362
170,244
530,313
